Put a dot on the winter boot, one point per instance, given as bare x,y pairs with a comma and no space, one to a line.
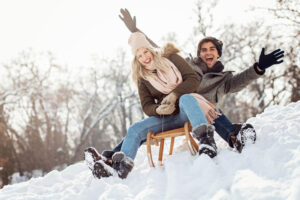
101,169
107,154
122,164
97,163
205,134
108,163
91,155
249,133
242,134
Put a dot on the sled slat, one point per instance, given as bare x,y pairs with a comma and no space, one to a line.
155,137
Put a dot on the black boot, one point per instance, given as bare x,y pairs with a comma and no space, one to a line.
122,164
205,134
108,154
101,170
101,166
91,155
249,133
242,134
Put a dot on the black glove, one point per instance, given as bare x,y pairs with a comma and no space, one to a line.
268,60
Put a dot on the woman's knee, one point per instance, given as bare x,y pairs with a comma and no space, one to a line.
186,98
132,131
135,132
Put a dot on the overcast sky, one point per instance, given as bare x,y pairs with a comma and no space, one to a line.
75,29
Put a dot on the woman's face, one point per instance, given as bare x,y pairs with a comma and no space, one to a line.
145,57
209,54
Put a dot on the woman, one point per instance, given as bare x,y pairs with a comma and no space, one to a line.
165,84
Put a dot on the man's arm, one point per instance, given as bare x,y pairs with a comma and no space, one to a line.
241,80
131,24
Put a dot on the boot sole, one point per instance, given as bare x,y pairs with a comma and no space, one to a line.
203,149
249,133
101,170
91,156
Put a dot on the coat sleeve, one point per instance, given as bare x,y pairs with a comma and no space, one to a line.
147,101
190,80
241,80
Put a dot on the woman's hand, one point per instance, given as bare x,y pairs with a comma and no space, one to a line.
128,20
165,109
170,99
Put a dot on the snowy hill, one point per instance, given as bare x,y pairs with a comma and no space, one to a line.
269,169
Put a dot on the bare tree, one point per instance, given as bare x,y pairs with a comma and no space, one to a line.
109,110
241,49
32,113
288,12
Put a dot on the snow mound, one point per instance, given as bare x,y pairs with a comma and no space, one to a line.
268,169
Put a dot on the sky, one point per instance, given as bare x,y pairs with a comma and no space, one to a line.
74,30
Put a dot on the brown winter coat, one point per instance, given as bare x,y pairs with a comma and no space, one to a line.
150,97
214,85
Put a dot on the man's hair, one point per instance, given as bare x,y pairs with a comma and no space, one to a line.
216,42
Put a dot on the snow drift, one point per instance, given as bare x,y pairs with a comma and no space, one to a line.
269,169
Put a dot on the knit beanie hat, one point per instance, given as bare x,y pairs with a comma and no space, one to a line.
138,40
216,42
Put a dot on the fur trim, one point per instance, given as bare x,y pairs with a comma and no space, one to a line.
169,49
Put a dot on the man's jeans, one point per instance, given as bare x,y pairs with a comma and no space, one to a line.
189,110
224,127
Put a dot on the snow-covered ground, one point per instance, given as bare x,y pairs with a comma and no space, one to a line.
269,169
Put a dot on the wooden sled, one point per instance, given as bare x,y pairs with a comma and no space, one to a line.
155,137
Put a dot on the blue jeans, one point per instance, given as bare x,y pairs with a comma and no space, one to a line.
224,127
222,124
189,110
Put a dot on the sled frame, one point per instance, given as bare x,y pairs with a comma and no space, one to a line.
160,138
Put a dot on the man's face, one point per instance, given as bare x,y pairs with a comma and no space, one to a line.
209,54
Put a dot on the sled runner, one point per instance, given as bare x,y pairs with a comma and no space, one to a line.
155,137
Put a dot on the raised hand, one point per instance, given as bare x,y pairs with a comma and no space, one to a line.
128,20
270,59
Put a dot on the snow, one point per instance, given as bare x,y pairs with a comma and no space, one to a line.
268,169
17,177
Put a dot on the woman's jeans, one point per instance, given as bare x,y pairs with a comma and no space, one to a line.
189,110
222,124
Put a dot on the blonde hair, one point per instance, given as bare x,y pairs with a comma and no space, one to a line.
138,71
